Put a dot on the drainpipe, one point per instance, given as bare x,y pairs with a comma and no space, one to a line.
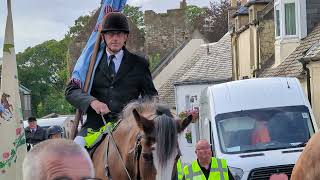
236,57
307,71
259,29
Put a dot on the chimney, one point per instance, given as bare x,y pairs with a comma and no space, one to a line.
233,8
183,4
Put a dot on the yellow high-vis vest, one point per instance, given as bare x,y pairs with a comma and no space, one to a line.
218,170
179,169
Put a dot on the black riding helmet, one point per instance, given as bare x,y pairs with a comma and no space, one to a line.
115,21
54,130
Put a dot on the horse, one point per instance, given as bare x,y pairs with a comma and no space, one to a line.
146,138
5,102
307,166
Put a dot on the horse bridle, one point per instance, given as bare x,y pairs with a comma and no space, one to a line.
137,152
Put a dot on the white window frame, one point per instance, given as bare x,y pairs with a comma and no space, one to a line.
301,20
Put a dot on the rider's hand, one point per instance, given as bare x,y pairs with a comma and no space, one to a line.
99,107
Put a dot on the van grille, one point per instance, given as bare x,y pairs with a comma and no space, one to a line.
265,172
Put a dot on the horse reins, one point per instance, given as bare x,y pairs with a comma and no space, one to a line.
117,149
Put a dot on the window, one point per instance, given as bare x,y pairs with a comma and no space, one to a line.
264,129
277,15
290,18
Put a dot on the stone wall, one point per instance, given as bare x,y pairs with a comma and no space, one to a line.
266,40
313,14
164,31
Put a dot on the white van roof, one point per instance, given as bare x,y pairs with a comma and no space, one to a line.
256,93
46,122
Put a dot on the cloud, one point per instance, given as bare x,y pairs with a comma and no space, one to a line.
138,3
36,21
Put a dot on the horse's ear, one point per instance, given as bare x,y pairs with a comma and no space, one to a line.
146,125
182,124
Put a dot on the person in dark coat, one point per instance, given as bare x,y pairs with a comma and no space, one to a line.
34,133
119,78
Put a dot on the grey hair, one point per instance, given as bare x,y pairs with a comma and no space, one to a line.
32,166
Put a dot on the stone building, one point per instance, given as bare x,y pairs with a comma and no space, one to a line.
279,38
165,31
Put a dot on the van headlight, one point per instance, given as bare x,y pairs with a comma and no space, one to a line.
236,172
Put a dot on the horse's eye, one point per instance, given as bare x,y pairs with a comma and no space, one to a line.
147,156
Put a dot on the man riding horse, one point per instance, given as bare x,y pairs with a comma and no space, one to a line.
119,77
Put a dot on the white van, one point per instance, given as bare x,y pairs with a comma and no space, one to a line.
259,126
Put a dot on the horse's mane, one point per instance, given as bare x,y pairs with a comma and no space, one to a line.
165,127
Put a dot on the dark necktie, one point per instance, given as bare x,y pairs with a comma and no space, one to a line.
111,67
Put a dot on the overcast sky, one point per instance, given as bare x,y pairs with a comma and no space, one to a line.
36,21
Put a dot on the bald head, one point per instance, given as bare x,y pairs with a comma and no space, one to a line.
202,142
203,150
57,158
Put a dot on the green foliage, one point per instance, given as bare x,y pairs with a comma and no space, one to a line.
135,15
194,15
41,69
154,61
78,26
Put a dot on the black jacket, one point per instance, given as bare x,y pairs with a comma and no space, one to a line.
36,137
132,79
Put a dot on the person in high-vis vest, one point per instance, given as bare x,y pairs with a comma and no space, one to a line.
207,167
179,169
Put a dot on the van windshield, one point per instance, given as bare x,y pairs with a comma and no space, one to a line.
264,129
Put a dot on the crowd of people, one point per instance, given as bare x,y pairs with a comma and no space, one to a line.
36,134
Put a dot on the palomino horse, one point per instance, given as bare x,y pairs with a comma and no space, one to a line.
147,139
307,166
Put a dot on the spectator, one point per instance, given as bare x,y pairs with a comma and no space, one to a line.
57,159
206,166
54,132
34,133
260,133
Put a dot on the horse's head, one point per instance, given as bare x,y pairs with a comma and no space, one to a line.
159,142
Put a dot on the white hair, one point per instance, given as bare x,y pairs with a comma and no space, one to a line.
33,164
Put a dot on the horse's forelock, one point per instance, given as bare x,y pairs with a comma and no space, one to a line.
166,138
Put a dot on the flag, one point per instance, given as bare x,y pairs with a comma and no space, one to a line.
80,69
12,139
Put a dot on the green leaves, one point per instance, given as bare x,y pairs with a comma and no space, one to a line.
42,69
135,15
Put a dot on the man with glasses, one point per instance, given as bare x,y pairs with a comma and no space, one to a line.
206,166
57,159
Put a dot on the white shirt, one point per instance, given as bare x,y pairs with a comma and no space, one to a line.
117,59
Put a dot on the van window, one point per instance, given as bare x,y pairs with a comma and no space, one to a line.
264,129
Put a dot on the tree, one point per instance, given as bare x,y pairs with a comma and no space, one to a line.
41,69
216,22
135,15
195,17
78,26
